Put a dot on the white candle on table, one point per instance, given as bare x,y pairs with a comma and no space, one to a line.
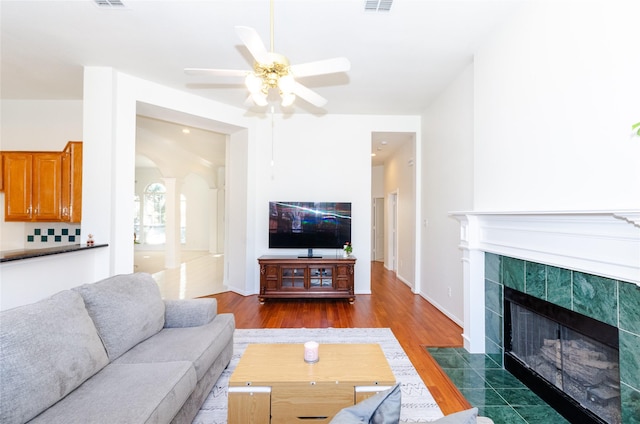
311,354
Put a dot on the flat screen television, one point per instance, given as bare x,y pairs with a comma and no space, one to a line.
309,225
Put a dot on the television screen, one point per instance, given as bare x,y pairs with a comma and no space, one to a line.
309,225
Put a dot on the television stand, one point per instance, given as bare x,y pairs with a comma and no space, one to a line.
309,254
292,277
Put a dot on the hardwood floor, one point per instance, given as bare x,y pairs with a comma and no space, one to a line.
413,320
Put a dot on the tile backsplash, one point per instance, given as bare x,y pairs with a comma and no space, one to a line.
51,234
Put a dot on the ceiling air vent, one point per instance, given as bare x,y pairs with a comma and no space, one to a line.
377,5
109,3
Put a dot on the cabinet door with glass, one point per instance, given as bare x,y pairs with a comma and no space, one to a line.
292,277
321,277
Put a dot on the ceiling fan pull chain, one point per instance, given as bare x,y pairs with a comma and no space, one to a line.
271,24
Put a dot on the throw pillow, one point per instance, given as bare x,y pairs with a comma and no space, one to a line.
382,408
468,416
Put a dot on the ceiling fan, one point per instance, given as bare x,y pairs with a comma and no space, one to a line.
273,71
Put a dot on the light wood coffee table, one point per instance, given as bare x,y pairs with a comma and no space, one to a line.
273,384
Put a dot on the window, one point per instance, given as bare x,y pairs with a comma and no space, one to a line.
154,219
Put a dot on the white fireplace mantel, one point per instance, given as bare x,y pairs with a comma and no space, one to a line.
604,243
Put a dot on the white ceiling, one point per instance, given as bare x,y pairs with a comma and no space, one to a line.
400,59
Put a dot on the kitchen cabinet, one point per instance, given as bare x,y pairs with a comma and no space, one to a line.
71,203
43,186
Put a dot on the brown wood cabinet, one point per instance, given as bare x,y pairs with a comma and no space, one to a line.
293,277
43,186
71,207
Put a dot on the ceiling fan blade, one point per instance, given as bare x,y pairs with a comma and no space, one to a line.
216,72
328,66
254,43
308,95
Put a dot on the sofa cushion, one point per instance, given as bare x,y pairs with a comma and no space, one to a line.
126,393
126,310
199,345
189,312
47,349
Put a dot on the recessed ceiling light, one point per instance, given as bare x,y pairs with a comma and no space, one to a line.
373,154
186,130
384,143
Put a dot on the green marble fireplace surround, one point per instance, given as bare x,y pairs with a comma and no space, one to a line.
612,301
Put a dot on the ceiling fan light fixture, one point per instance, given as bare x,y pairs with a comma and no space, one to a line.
288,99
259,98
286,84
253,83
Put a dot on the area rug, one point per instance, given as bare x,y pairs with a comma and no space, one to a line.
418,406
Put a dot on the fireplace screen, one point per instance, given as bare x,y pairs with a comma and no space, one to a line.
581,367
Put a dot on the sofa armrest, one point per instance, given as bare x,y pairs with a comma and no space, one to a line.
189,312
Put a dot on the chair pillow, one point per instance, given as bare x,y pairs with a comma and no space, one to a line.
382,408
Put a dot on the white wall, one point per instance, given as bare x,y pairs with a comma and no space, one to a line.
447,155
400,178
556,92
325,158
35,125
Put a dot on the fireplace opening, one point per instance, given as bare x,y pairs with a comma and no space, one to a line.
568,359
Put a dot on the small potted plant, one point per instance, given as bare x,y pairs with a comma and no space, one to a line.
347,249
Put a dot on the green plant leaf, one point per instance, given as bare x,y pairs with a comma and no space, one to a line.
636,128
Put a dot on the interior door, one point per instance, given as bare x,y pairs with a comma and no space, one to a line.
378,229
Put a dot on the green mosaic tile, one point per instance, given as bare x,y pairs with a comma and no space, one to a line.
37,231
539,414
513,273
502,414
51,231
536,280
493,296
492,267
493,351
480,361
493,326
77,231
465,378
521,397
29,238
629,298
630,399
44,238
559,286
630,359
502,379
595,297
451,360
65,231
482,397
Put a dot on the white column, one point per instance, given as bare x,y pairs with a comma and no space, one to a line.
473,275
213,220
172,223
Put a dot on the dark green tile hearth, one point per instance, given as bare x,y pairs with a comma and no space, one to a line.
595,297
513,273
629,307
559,286
483,397
540,414
494,391
503,415
536,280
465,378
521,397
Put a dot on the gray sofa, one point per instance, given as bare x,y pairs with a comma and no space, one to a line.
111,352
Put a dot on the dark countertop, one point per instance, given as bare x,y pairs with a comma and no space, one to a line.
19,254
